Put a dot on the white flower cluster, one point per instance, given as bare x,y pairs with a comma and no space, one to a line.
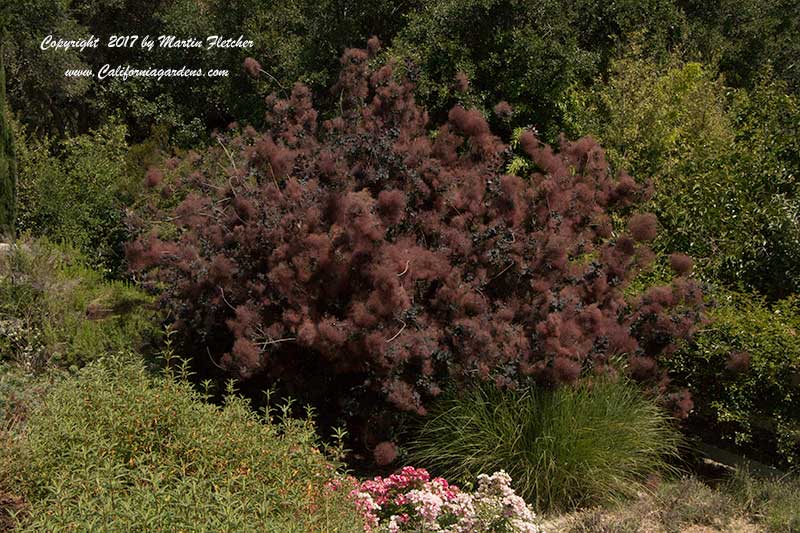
411,501
496,497
23,342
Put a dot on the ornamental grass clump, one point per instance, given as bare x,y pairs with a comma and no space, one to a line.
370,260
564,448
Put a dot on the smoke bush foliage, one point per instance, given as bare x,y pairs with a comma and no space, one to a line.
366,259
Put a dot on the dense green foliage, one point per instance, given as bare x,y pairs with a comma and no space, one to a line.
526,53
746,362
55,310
75,191
744,36
300,40
563,448
45,99
115,449
725,165
8,168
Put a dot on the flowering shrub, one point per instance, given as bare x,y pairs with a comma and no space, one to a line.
363,258
410,500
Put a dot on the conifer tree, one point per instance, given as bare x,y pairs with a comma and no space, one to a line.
8,166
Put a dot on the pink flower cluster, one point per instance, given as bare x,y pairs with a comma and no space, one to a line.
410,500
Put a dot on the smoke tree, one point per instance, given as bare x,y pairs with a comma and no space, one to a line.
364,262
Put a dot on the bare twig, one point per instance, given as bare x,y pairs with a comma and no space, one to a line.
222,292
274,178
479,291
273,79
401,274
277,341
500,273
398,333
177,217
233,163
212,360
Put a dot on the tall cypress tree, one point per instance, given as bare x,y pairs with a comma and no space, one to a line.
8,163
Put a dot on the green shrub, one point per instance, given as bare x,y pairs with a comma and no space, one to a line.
724,163
744,369
652,116
767,125
562,448
75,191
112,448
669,123
54,309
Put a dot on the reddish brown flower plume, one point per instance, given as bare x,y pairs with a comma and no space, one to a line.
385,453
252,67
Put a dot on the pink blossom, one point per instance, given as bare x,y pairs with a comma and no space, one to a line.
409,500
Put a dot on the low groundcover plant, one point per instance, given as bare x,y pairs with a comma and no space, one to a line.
116,448
410,500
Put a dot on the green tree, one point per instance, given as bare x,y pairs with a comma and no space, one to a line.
297,40
8,165
524,52
75,191
724,162
41,96
743,36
